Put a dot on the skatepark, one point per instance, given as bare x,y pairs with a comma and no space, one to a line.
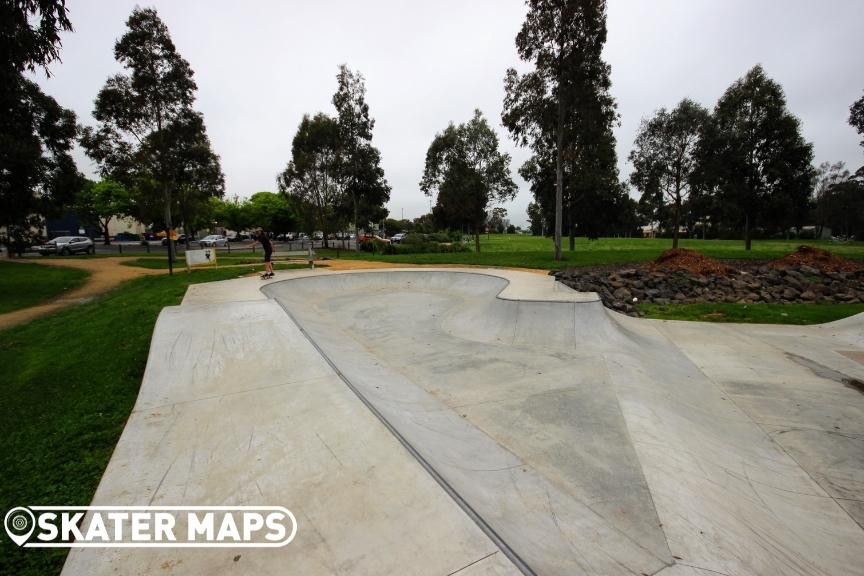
486,421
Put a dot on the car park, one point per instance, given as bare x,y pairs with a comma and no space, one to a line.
66,245
214,240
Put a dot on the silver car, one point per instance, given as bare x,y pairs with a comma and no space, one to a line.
214,240
65,245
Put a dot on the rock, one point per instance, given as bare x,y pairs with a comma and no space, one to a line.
661,301
652,292
790,293
809,270
622,294
808,295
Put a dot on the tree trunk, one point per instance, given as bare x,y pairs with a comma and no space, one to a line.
676,221
559,180
477,238
168,232
354,198
106,238
747,231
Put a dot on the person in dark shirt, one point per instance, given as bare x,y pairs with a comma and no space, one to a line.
262,238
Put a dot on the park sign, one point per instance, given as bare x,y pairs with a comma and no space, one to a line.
203,257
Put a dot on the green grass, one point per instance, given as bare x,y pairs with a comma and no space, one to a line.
752,313
510,250
253,263
25,285
68,384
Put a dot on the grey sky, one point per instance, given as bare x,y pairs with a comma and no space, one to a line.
261,65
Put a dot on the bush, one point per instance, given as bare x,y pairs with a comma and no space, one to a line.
416,244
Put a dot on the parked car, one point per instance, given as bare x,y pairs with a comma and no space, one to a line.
65,245
318,235
214,240
397,238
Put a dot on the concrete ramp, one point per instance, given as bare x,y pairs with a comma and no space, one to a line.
493,422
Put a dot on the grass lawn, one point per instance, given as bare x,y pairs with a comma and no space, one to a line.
68,384
24,285
511,250
254,264
753,313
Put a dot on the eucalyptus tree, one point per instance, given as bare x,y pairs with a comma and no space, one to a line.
145,120
312,175
760,158
563,105
468,171
665,156
37,172
362,179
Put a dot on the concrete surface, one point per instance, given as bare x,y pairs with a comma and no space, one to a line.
493,422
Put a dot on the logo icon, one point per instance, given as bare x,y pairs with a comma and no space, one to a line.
19,523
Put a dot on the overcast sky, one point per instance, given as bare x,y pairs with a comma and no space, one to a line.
260,66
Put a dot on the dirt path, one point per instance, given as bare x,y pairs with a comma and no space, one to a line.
105,274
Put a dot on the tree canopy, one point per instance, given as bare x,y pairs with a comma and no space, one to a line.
365,190
101,202
665,158
761,163
856,116
562,109
312,175
466,169
148,136
37,173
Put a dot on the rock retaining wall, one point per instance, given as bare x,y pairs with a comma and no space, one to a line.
746,285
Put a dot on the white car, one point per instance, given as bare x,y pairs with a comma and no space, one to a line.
397,238
214,240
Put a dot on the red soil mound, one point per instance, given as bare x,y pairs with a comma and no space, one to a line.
690,261
816,258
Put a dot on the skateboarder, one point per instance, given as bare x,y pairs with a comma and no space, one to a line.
261,238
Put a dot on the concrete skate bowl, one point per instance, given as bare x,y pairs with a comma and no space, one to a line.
579,440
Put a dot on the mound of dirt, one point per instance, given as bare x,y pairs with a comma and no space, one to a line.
817,258
690,261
